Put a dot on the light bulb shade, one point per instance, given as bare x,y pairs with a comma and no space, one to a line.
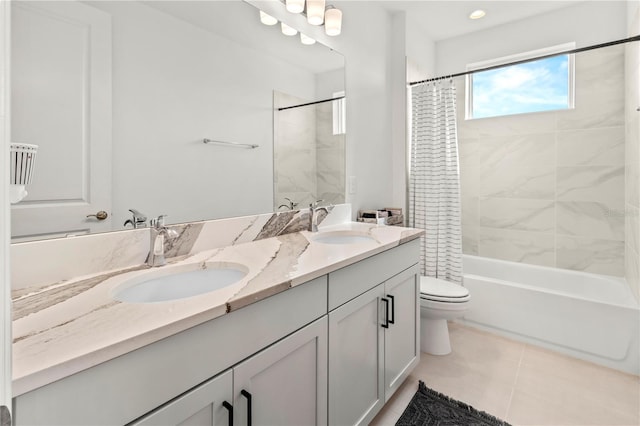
333,21
477,14
287,30
305,39
295,6
267,19
315,12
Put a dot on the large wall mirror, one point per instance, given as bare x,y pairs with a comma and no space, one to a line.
119,97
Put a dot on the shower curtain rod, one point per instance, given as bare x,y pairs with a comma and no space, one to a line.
524,61
312,103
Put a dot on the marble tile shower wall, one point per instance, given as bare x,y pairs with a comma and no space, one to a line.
330,157
309,159
548,188
632,149
294,154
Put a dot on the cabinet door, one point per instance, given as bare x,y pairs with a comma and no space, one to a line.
356,359
202,406
402,344
285,384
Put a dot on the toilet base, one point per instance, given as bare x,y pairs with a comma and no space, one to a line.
434,336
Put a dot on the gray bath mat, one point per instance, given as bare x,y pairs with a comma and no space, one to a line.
428,407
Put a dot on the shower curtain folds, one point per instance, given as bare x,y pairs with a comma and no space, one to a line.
434,182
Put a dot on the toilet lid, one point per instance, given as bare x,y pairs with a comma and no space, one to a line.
441,290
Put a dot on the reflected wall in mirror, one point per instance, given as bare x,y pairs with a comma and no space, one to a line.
309,151
119,97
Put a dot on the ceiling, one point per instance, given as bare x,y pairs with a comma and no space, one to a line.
443,19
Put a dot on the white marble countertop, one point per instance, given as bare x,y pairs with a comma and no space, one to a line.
63,328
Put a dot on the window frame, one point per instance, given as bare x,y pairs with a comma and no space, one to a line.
506,60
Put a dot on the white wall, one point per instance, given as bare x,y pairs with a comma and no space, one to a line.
175,84
421,53
586,23
397,83
5,232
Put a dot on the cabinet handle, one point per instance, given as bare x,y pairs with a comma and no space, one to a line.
248,396
393,309
229,407
386,313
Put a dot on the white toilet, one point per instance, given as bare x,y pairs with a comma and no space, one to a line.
440,301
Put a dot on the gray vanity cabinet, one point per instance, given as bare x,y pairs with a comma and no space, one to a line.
316,354
202,406
402,338
373,337
356,360
287,382
284,384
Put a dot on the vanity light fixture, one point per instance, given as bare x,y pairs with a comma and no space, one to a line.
287,30
267,19
305,39
477,14
315,12
295,6
332,21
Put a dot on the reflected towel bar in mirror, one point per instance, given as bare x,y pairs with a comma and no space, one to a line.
239,145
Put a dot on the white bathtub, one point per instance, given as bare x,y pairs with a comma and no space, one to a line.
592,317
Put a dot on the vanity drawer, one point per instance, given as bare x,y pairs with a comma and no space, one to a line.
353,280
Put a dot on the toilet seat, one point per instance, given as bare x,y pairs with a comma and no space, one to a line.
439,290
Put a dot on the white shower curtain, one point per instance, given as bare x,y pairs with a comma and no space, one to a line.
434,183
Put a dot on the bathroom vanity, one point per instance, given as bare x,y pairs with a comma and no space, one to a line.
322,330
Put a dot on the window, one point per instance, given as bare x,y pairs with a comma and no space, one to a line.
540,85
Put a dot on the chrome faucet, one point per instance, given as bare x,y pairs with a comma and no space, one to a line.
158,234
139,220
290,206
313,214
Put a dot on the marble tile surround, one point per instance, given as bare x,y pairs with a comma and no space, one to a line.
549,188
91,254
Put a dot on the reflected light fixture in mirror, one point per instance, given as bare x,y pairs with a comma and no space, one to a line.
332,21
295,6
315,12
287,30
305,39
477,14
267,19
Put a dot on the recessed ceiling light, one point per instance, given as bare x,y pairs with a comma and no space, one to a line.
477,14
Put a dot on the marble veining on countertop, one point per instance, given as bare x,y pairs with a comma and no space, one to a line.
65,327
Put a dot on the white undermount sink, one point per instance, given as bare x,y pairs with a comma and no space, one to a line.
175,283
342,237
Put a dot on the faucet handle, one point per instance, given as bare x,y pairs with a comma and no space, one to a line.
315,203
137,216
158,222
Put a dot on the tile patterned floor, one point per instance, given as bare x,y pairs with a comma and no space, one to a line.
522,384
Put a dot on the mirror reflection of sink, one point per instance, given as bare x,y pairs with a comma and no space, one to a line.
342,237
179,282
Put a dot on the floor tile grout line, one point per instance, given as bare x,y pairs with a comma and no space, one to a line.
515,381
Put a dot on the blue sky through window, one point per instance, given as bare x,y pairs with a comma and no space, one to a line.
541,85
